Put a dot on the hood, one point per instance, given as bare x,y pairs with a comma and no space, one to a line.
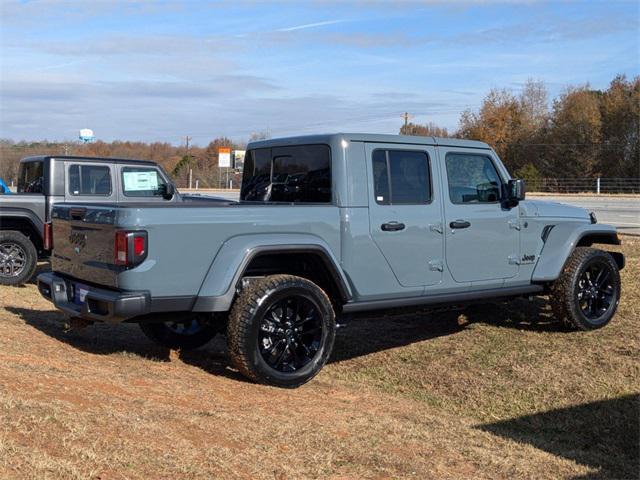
541,208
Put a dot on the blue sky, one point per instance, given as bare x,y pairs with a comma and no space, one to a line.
151,71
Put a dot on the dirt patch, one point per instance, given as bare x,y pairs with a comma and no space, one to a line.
491,392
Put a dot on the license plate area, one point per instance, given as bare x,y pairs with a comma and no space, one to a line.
80,291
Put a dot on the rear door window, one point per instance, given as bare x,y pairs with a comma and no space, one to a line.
142,182
401,177
295,174
94,180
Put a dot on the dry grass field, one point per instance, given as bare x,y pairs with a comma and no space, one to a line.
494,391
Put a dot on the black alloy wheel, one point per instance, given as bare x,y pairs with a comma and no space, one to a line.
281,330
587,293
290,333
596,290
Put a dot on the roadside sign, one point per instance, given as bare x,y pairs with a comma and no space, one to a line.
224,157
238,159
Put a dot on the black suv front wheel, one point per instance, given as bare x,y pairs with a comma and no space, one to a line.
281,331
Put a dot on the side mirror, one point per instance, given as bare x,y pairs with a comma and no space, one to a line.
168,190
515,191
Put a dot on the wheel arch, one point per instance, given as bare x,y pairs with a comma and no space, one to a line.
310,262
303,255
24,223
563,239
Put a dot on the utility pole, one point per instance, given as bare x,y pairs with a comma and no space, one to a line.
406,117
187,140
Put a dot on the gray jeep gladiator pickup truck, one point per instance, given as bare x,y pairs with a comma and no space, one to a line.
328,225
43,181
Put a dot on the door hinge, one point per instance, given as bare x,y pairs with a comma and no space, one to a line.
514,259
515,224
435,227
436,265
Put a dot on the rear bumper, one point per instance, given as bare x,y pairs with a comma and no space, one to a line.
99,305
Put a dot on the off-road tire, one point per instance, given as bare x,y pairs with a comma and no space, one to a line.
31,257
163,335
564,291
243,329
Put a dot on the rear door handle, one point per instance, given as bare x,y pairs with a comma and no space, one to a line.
460,224
392,226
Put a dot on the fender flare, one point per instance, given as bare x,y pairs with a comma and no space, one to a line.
22,214
561,242
219,286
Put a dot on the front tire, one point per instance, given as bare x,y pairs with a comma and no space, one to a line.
180,335
586,295
281,331
18,258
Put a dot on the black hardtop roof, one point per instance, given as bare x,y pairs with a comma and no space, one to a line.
37,158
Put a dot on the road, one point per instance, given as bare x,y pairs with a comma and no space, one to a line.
623,212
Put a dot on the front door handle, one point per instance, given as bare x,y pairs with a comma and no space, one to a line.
460,224
392,226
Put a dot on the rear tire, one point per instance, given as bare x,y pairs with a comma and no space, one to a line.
180,335
18,258
281,331
587,293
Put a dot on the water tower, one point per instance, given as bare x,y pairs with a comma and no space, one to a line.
86,135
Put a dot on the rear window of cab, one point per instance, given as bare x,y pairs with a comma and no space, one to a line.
292,174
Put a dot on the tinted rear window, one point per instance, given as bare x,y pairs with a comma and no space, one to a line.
31,178
296,174
89,180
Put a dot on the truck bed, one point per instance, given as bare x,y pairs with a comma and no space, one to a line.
183,238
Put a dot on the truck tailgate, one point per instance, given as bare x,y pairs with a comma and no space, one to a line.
84,243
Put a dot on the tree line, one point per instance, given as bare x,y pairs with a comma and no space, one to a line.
581,133
178,161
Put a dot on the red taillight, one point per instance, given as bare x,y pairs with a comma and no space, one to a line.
130,247
47,236
139,245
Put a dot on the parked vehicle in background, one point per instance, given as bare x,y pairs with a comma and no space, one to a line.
328,225
4,188
44,181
